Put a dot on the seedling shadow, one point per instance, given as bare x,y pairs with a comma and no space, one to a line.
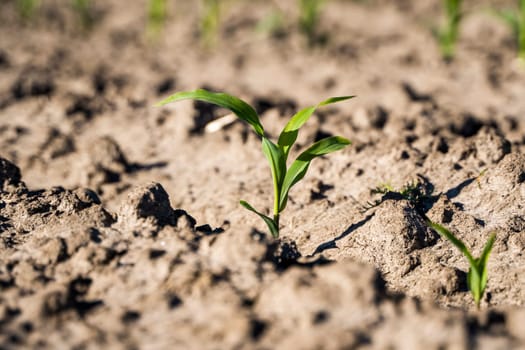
332,243
134,167
455,191
419,193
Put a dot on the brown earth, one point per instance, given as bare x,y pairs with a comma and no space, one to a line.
120,225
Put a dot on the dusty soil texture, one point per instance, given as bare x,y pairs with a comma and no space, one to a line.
120,226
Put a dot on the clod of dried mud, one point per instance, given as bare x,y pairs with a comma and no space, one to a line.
147,276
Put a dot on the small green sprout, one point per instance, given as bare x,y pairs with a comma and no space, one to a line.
27,8
209,22
272,25
157,14
516,21
447,36
418,192
83,9
481,174
277,154
309,13
477,273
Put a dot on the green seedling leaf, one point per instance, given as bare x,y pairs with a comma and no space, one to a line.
299,167
324,146
291,130
510,18
453,6
210,21
477,274
309,13
157,14
83,9
448,34
515,19
275,158
483,260
27,8
274,230
272,24
240,108
458,243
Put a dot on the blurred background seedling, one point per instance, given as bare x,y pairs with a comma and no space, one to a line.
447,35
84,12
273,24
418,192
480,175
309,15
477,275
210,22
27,8
157,16
515,19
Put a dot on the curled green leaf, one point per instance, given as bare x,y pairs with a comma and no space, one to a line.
454,240
240,108
291,130
299,167
483,260
272,226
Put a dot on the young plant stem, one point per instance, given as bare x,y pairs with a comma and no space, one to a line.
276,221
276,198
276,193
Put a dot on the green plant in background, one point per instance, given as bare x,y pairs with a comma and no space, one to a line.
272,24
447,35
27,8
411,191
277,154
309,14
418,192
477,273
516,22
157,14
209,21
83,9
